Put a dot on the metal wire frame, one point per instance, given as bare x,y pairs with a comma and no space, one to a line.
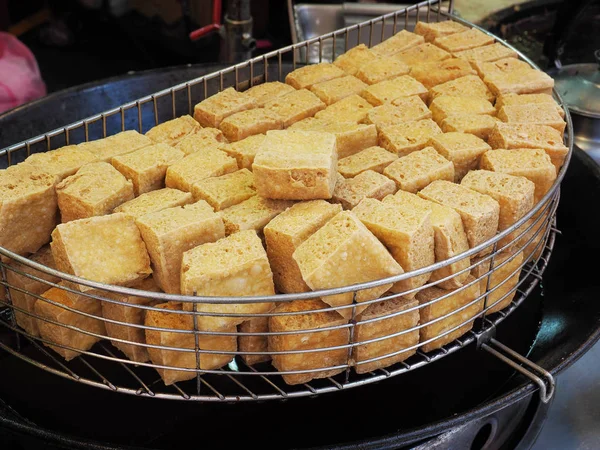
242,76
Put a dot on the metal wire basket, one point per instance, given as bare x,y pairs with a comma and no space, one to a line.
106,367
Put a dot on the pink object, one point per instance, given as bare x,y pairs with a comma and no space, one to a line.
20,78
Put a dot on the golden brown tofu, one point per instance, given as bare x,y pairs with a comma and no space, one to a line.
447,106
179,357
409,137
416,170
77,341
422,53
134,315
350,137
353,108
463,149
355,58
245,150
62,162
310,322
488,53
286,232
369,184
403,109
296,106
240,125
305,77
438,72
202,138
28,209
535,113
117,254
226,190
391,321
467,86
382,69
198,166
528,99
254,343
524,81
431,31
146,168
169,233
401,41
296,165
337,89
481,125
95,190
502,282
118,144
234,266
479,212
373,158
465,40
20,296
211,111
389,90
265,92
457,323
173,131
252,214
327,259
154,201
407,233
502,66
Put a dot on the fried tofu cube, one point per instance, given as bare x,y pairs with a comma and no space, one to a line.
463,149
296,106
24,300
503,66
201,139
240,125
118,144
389,90
185,341
535,113
256,343
431,31
305,77
449,238
467,86
513,136
198,166
327,259
480,213
28,208
337,89
118,254
404,109
369,184
407,233
233,266
488,53
252,214
173,131
146,168
528,99
447,106
245,150
433,73
401,41
533,164
62,162
134,315
286,232
524,81
481,125
226,190
503,280
350,137
319,360
413,172
392,321
211,111
154,201
422,53
453,326
466,40
265,92
296,165
169,233
373,158
95,190
353,108
382,69
409,137
59,334
352,60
